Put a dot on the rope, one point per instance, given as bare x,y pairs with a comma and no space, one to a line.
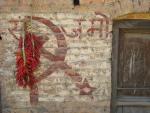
33,44
23,44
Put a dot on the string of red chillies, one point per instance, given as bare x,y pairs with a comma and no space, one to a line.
27,59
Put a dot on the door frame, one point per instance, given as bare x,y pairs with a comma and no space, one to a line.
117,26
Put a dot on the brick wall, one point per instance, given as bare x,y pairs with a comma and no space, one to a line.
89,65
83,38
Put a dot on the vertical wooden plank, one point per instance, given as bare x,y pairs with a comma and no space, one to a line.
114,66
120,109
0,97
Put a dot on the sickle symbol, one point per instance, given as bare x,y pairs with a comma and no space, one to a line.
58,62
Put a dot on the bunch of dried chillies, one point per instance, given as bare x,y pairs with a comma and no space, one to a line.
27,59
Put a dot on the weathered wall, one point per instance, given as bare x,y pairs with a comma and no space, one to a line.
84,33
85,63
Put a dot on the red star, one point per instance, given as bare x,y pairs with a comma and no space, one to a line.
85,88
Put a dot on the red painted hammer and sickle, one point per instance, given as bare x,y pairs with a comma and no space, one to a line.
58,62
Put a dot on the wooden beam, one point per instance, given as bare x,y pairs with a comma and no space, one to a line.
143,16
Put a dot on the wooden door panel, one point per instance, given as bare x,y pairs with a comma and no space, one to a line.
134,63
138,109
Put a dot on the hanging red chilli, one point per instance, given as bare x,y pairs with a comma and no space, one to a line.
27,59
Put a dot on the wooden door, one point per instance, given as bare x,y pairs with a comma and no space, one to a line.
131,67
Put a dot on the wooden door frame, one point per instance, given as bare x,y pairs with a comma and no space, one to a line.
117,26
